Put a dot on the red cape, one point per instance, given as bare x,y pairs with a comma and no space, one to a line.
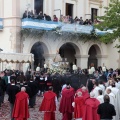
83,92
48,103
66,100
91,106
79,107
21,110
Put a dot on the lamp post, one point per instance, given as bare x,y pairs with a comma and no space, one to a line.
58,10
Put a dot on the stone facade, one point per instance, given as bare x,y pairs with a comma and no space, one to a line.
11,41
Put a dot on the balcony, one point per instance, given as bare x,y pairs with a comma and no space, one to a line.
1,23
60,26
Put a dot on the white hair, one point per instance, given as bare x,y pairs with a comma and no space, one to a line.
23,89
92,94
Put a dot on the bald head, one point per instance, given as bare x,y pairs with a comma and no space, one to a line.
92,94
84,88
23,89
108,91
79,94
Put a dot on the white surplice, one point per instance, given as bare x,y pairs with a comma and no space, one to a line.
112,101
102,87
116,92
100,99
95,91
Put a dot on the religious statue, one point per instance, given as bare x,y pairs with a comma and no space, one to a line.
57,57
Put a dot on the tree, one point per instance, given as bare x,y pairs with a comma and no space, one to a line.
111,20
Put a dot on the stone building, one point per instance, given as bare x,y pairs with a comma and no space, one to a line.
76,51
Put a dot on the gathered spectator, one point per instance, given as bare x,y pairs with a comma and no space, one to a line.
96,21
40,16
61,18
76,19
86,22
71,19
24,14
30,14
55,19
90,22
47,17
81,21
35,15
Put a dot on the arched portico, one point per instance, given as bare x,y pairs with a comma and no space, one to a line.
94,52
71,52
39,49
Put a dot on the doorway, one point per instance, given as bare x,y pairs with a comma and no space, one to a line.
67,51
39,49
94,13
38,6
69,9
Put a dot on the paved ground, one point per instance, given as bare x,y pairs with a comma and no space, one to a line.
34,113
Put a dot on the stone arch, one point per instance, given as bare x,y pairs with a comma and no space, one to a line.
71,51
94,51
45,44
76,46
97,47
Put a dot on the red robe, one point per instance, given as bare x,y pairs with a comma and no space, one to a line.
66,107
21,110
48,105
91,106
79,107
83,92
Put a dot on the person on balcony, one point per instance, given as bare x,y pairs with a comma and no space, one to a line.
24,14
55,19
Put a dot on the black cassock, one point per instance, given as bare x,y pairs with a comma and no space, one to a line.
56,82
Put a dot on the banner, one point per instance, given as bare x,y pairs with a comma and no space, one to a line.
40,24
1,23
76,28
64,27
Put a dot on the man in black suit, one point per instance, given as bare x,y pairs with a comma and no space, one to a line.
106,110
12,90
34,88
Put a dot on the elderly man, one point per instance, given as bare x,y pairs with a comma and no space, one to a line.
91,106
49,104
106,110
78,105
66,102
20,110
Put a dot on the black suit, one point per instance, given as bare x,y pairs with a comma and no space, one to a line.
12,90
34,88
106,111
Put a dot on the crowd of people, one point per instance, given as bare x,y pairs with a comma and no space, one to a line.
82,96
64,19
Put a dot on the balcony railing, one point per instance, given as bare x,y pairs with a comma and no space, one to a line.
1,23
50,25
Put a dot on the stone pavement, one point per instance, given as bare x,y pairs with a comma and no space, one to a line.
34,113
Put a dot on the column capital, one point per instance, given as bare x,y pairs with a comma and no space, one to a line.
81,56
101,56
49,55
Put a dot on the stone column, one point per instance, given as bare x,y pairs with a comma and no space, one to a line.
84,61
102,59
78,59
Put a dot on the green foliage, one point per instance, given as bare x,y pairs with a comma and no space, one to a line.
111,20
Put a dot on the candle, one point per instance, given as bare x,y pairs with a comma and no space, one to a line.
103,69
93,69
74,67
